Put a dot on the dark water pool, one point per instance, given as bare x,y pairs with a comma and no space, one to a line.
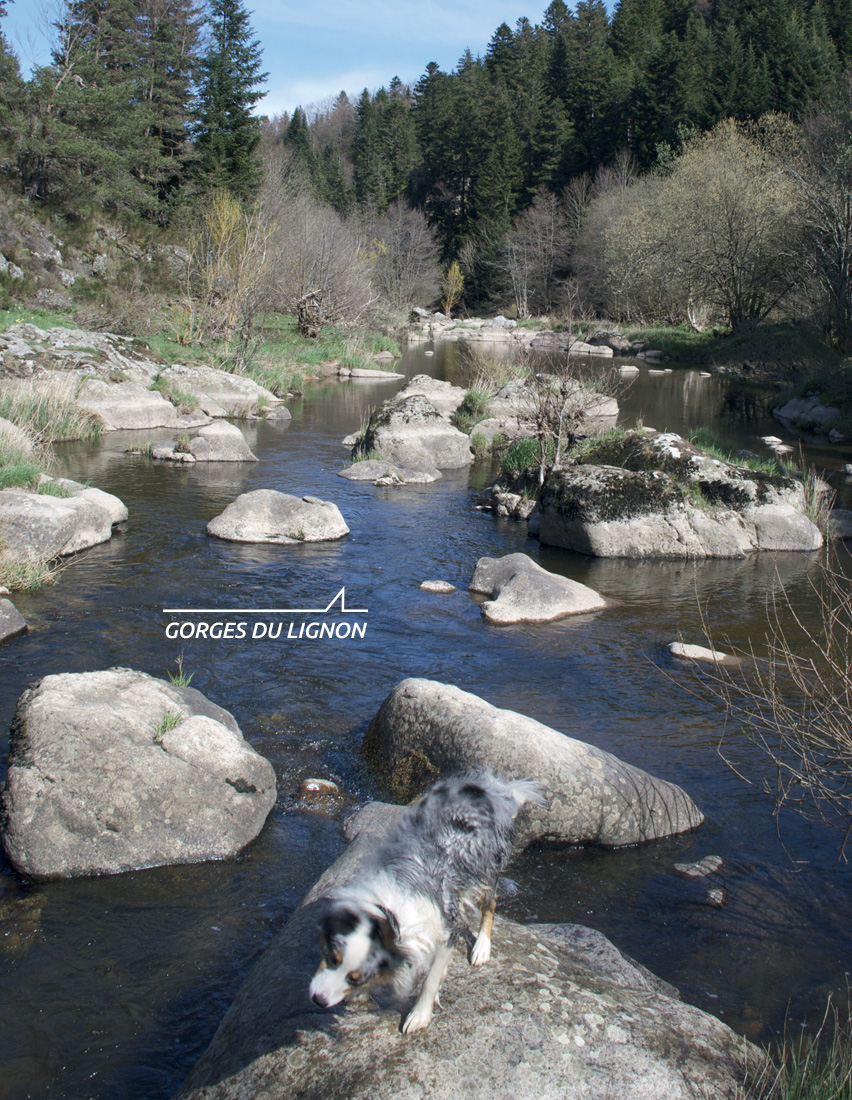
112,987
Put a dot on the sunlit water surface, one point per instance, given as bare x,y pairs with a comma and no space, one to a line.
112,987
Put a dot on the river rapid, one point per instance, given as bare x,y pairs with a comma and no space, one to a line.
112,987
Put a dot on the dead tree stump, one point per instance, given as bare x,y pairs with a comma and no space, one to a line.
309,309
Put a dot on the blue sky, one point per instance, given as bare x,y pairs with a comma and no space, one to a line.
314,50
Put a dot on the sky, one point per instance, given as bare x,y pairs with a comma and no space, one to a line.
314,50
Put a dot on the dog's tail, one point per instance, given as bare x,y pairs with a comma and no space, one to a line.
527,790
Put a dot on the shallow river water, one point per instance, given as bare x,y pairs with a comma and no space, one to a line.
112,987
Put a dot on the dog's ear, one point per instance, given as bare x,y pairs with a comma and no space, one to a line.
387,928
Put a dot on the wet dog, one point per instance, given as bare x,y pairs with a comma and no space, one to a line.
399,919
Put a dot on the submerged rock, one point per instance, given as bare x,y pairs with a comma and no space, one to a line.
113,771
558,1012
381,472
12,622
266,515
653,494
425,729
410,432
522,591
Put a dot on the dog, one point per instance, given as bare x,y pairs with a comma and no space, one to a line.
399,919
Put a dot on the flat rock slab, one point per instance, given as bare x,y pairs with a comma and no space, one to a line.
12,622
220,442
424,729
114,771
125,405
387,473
522,591
219,392
688,652
557,1014
266,515
439,587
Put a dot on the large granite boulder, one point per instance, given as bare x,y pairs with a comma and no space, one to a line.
653,494
266,515
807,414
522,591
40,527
410,432
220,442
113,771
425,729
125,405
219,392
557,1014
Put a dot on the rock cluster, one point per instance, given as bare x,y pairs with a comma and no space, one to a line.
653,494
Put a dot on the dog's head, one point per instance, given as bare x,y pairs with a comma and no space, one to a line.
359,945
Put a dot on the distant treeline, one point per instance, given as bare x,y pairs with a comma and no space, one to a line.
554,100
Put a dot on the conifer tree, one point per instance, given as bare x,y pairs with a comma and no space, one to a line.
227,134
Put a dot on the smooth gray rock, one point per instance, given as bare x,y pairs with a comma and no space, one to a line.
424,729
522,591
653,494
558,1013
12,622
840,523
97,785
220,442
219,392
125,405
41,527
806,414
387,473
443,395
410,432
266,515
116,508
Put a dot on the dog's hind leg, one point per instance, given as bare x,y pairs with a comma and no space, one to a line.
481,952
421,1014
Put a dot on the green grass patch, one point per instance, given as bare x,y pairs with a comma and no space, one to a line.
473,408
50,415
782,346
524,453
705,439
43,318
27,576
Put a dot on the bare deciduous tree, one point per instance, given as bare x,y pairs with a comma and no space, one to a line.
534,253
405,265
792,696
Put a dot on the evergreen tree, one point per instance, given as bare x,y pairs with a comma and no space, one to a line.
368,178
12,99
227,134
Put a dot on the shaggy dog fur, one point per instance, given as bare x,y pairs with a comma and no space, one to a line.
398,920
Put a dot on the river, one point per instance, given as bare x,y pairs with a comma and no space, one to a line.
112,987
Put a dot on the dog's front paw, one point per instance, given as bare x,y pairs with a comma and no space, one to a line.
481,952
417,1019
